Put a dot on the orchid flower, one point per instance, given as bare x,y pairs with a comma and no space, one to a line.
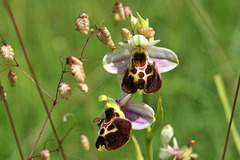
185,153
120,118
139,60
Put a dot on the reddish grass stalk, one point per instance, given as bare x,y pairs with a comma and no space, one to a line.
13,128
231,119
87,43
40,134
33,73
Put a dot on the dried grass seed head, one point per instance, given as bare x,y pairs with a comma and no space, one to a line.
76,68
105,37
117,18
127,11
148,32
85,142
44,154
120,10
3,94
73,60
78,72
64,90
126,33
82,24
83,87
7,52
12,78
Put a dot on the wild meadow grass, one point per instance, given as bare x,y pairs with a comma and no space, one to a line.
204,34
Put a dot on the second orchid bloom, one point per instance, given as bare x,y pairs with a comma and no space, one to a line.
120,118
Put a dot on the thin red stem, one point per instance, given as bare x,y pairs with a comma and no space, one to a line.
231,119
92,59
43,127
92,33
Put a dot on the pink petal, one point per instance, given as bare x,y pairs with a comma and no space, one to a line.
116,62
140,114
164,58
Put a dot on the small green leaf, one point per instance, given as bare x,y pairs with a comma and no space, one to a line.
138,149
159,119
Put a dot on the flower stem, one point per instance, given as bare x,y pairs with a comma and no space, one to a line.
148,140
148,144
138,149
150,132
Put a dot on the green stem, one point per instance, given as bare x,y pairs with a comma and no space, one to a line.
145,98
150,132
148,144
148,141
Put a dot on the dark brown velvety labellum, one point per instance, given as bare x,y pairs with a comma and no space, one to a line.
146,78
114,131
116,134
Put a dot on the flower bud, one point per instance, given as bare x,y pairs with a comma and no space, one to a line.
126,33
3,94
83,87
105,37
127,11
82,24
44,154
166,134
12,78
85,142
64,90
120,10
7,52
147,32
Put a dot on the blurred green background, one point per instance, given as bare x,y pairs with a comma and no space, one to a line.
204,34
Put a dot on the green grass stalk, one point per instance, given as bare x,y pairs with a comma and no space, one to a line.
229,116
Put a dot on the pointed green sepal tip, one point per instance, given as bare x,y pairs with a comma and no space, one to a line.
133,21
138,23
141,23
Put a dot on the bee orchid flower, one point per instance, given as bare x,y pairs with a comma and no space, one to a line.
120,118
140,61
